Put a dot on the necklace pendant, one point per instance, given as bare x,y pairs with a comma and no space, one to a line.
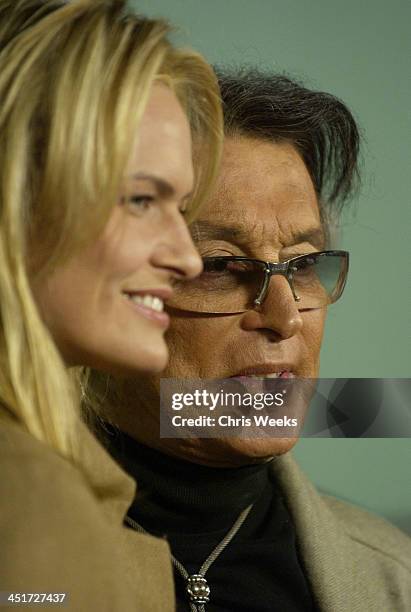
197,589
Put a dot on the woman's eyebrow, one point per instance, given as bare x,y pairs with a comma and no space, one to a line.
164,188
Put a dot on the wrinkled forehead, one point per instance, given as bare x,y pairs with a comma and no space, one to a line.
265,195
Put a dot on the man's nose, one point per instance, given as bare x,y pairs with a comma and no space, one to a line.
176,250
278,312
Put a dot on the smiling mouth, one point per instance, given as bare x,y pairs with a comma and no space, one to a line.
148,301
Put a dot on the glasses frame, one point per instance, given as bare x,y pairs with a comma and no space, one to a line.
286,269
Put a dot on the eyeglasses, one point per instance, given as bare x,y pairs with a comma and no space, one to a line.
237,284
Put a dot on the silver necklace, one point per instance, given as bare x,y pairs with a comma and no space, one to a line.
197,588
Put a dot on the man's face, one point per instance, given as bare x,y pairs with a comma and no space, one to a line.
265,207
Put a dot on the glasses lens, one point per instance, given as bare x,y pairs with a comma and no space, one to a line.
229,285
318,279
225,286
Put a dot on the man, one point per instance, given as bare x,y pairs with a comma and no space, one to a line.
240,517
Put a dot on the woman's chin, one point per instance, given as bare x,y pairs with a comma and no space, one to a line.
151,358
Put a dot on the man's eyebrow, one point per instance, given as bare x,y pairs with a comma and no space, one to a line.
208,230
165,189
314,235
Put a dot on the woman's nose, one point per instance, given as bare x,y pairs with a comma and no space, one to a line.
177,251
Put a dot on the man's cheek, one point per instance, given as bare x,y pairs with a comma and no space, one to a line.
185,339
314,323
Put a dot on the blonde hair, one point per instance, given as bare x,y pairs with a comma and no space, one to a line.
74,81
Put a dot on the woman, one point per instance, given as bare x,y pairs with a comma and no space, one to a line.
97,117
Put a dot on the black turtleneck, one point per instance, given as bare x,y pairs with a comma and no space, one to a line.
194,506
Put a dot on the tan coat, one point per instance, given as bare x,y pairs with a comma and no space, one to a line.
355,561
61,531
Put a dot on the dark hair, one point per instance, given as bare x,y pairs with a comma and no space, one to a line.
277,108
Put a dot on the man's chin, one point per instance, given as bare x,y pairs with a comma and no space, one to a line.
232,452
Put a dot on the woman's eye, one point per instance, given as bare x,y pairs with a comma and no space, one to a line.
139,203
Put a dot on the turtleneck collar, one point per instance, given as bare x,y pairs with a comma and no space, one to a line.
174,493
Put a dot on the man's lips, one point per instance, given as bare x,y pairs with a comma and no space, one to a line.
267,370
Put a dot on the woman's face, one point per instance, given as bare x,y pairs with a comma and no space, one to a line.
104,307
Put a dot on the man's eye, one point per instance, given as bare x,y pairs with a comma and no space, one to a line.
211,266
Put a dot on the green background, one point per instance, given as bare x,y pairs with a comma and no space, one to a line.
360,51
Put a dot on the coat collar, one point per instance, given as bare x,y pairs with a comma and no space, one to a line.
114,489
325,548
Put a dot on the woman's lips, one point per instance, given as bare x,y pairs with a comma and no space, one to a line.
151,310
